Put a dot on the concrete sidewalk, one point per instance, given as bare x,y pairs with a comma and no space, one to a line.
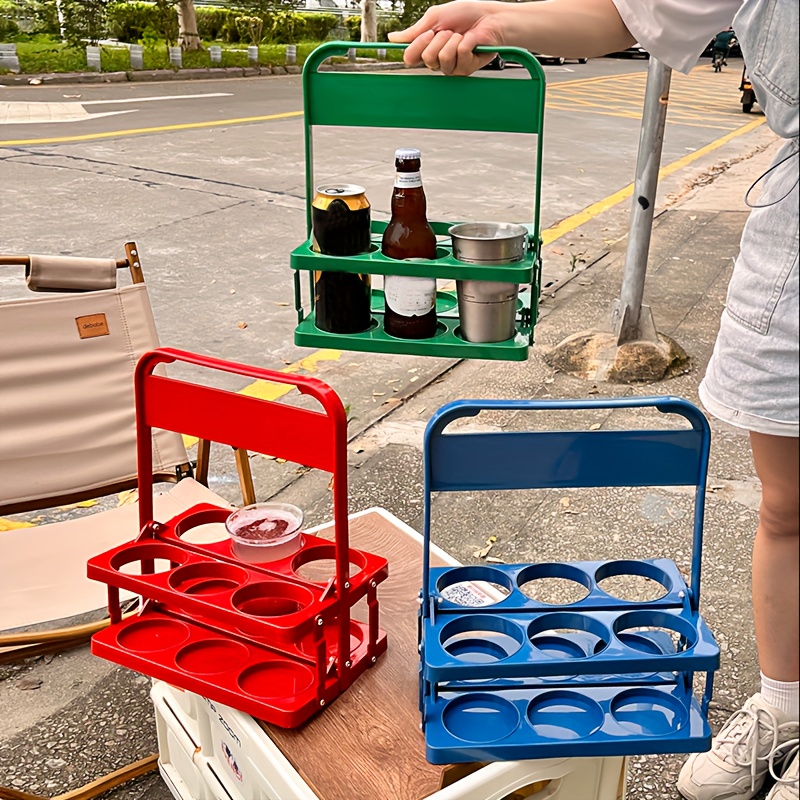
87,717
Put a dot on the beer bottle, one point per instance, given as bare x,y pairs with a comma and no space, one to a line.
410,302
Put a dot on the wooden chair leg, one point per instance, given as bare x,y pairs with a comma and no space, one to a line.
245,476
203,458
242,468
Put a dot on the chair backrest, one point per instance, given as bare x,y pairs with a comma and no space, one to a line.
67,360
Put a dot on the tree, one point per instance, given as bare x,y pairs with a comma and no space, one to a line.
414,9
369,21
84,21
188,37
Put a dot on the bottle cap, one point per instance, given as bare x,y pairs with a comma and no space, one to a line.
406,153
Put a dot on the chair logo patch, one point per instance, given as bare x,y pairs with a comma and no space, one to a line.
92,325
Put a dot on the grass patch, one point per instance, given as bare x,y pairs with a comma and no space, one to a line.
115,59
45,54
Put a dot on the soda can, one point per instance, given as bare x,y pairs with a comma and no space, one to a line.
340,220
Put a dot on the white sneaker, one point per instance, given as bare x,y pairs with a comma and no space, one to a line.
737,764
785,787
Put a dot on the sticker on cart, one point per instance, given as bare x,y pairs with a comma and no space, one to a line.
472,594
230,760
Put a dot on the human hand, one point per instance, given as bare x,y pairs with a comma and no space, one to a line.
446,36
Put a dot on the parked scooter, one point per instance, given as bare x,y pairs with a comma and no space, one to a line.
748,93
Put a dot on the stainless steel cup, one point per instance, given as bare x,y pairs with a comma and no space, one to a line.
487,310
489,242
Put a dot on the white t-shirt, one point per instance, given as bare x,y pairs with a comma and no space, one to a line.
677,31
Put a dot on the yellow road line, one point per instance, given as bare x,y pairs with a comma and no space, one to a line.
606,79
265,390
158,129
554,232
638,115
596,79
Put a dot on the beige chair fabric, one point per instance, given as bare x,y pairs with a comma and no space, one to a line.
67,429
67,418
68,273
43,569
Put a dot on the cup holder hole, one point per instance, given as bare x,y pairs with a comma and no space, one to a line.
148,559
653,640
633,581
554,591
441,329
318,567
481,647
648,712
207,578
137,567
566,635
568,643
554,584
632,588
481,638
271,599
208,533
474,586
471,594
565,716
277,679
480,718
654,632
373,325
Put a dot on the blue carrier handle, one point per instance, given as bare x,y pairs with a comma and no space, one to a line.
458,462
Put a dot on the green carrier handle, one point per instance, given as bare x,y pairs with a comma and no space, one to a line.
426,101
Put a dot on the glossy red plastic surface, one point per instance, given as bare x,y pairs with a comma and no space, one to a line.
262,638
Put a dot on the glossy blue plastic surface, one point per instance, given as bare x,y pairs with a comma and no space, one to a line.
510,724
600,676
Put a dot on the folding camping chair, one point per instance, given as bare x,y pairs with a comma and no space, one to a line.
67,434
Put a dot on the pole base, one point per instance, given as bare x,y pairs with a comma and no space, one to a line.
599,357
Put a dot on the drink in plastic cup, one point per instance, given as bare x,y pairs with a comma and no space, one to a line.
265,531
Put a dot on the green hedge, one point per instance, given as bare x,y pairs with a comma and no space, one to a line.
8,20
52,56
127,21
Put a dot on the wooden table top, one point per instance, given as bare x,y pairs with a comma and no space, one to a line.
367,745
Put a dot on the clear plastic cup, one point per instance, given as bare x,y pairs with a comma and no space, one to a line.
265,531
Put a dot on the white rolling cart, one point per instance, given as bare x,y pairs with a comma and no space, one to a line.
208,751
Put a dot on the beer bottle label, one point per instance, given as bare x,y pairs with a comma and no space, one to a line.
410,297
408,180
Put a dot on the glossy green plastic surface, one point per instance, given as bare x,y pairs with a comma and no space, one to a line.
446,344
402,99
445,266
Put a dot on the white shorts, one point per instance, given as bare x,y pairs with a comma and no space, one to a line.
752,380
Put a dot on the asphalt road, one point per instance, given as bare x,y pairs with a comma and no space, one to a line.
215,200
208,178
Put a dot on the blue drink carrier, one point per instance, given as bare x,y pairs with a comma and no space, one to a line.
504,681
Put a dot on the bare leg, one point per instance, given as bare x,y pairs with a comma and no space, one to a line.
775,556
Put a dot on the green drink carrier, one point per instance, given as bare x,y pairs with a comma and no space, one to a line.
404,99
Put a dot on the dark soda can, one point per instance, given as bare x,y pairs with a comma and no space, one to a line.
340,220
340,226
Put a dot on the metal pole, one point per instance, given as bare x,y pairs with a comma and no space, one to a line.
629,320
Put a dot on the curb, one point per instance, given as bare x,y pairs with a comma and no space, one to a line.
146,75
200,73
